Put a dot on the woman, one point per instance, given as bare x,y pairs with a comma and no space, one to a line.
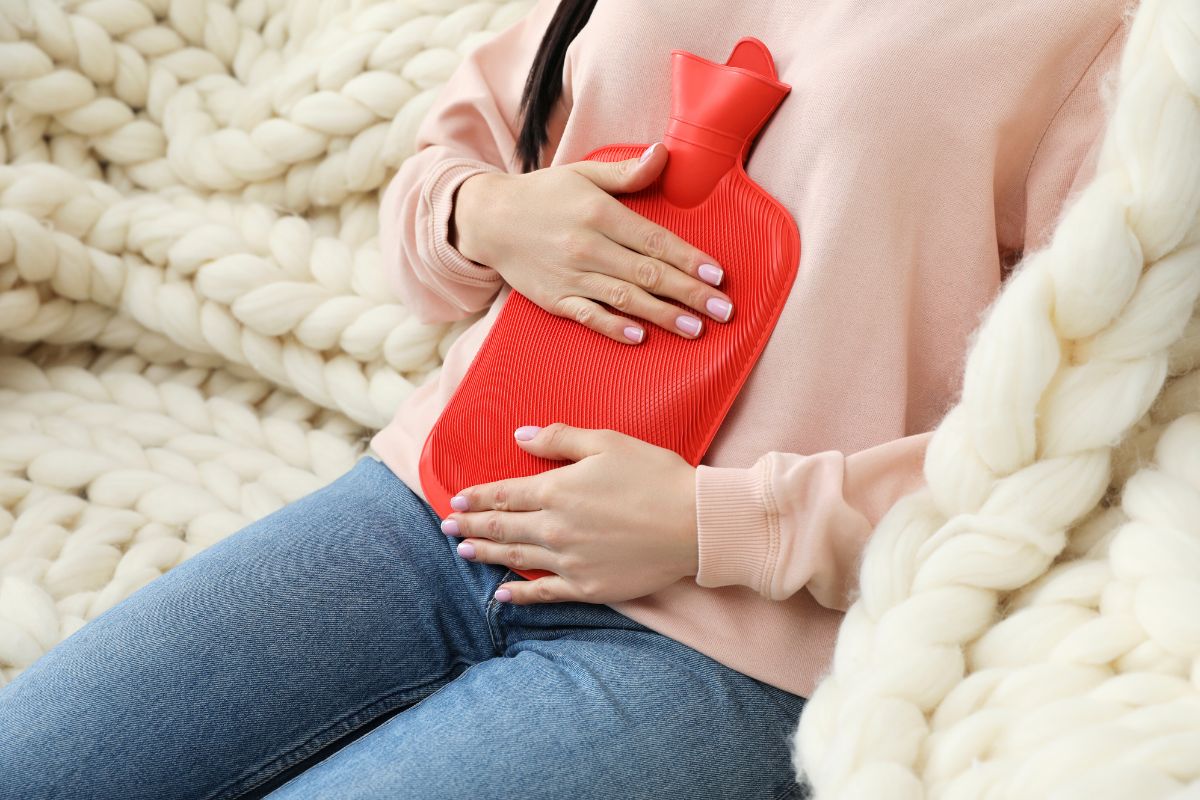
349,645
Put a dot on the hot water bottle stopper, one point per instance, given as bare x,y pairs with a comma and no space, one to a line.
535,368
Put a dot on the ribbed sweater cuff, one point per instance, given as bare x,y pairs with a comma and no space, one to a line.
440,186
736,533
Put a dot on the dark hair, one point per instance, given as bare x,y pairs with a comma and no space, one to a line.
544,83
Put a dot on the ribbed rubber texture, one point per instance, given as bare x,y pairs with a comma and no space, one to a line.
535,368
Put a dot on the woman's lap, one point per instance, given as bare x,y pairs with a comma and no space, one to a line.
618,714
258,664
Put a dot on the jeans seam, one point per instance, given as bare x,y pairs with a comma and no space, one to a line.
493,604
347,724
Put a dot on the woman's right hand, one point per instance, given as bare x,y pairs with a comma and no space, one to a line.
559,237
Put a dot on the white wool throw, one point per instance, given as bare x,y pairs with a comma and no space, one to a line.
1028,623
195,330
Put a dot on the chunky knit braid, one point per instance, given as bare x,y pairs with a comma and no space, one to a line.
210,182
1029,621
194,325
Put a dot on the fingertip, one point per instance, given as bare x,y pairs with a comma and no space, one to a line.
710,273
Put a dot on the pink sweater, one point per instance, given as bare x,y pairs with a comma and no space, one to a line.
920,151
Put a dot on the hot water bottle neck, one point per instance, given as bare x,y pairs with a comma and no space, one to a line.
535,368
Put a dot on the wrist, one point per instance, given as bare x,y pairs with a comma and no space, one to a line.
464,233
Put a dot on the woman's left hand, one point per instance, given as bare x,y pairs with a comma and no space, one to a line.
618,523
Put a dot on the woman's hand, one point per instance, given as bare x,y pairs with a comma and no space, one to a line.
618,523
558,236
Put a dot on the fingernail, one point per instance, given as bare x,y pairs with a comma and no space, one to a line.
466,550
450,527
647,152
458,503
710,273
634,334
526,432
503,595
721,309
687,324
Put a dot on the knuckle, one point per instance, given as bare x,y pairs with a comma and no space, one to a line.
500,503
655,242
621,296
514,556
577,245
594,211
569,564
563,306
492,527
584,313
554,433
543,590
649,274
552,537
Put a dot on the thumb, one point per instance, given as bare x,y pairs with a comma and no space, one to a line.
628,175
559,441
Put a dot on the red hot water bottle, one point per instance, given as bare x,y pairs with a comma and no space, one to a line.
535,368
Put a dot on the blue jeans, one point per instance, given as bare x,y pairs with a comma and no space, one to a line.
277,663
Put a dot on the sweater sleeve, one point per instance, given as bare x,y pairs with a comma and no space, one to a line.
793,521
469,129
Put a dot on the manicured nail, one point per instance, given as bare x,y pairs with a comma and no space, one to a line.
459,503
711,274
687,324
526,432
634,334
721,309
466,550
450,527
503,595
647,153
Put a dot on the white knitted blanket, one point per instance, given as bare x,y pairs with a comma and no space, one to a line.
194,325
1029,621
195,330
